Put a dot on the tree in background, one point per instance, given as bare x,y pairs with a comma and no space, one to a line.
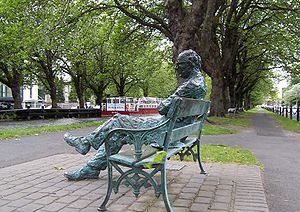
104,42
213,28
14,43
292,94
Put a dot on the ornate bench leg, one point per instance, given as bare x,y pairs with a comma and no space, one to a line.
109,188
164,188
199,158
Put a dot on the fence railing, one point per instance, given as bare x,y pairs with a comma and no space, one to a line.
288,111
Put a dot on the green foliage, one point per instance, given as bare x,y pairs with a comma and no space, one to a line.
158,158
208,87
113,48
7,116
264,91
60,90
72,95
292,93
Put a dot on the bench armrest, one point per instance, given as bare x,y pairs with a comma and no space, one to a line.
136,137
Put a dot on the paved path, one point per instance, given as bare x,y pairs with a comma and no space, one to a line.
279,151
39,186
20,150
29,180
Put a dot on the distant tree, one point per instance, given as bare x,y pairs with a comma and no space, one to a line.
14,43
292,94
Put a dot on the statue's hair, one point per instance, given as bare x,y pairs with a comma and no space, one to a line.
192,56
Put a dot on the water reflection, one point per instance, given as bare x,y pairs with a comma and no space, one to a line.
45,122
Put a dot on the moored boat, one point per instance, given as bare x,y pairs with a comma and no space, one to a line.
130,106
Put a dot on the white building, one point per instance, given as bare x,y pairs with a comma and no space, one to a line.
29,95
5,91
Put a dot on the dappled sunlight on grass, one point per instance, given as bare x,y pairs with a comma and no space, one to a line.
225,154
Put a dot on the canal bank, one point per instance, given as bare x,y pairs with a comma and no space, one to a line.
44,122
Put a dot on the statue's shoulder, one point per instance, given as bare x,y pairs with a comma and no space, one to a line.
196,82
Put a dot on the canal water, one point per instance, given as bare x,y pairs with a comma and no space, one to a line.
44,122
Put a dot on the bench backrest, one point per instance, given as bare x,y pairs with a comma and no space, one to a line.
192,112
187,116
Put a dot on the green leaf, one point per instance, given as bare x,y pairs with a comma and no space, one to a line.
158,158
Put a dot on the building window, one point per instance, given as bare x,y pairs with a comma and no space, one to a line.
30,92
1,90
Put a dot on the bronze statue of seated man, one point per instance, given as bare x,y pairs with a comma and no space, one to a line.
188,67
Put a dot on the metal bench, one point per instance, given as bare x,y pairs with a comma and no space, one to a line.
185,117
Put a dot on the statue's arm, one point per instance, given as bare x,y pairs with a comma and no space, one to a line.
164,106
182,91
192,89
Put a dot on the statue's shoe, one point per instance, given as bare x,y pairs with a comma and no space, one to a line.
82,146
82,174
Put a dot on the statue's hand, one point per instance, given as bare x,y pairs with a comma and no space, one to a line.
164,106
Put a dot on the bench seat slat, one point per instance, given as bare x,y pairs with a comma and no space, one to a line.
127,158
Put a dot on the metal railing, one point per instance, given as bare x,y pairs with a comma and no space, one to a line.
288,111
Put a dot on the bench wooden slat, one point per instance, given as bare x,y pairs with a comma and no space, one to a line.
192,107
182,132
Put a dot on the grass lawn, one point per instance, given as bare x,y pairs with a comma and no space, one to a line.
237,120
14,133
212,129
214,126
284,122
225,154
212,153
226,125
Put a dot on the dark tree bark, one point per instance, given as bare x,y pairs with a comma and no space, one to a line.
145,91
14,80
123,85
195,26
77,71
98,89
47,73
78,74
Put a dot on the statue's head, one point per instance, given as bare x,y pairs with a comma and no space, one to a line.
187,62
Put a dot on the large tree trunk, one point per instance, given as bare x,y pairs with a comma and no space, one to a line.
13,79
247,102
217,96
99,97
15,90
232,96
209,27
79,90
47,73
80,99
53,93
183,26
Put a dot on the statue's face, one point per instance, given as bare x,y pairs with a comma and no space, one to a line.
183,68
